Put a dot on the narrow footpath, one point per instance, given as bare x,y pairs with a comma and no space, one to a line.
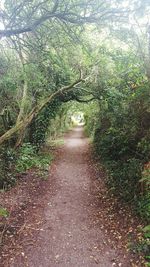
69,217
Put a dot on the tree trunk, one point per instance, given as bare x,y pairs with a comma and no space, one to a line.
24,123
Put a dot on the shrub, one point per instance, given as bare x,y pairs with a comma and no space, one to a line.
144,200
7,159
28,158
124,178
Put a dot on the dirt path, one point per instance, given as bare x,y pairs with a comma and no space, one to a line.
73,231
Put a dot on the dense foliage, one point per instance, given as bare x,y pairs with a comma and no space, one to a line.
59,57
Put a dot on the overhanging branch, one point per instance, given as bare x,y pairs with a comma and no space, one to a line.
66,16
23,124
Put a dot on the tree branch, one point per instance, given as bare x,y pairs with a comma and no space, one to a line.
23,124
68,16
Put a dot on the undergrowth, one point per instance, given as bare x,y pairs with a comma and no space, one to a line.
19,161
122,143
28,158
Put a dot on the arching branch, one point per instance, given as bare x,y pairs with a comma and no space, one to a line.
88,13
23,124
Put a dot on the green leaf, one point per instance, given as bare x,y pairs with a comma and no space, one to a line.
146,228
4,212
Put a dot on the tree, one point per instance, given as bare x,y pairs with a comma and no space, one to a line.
41,35
25,16
35,111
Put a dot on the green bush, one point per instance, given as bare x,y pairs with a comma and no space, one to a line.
124,178
122,142
112,144
28,158
146,243
7,159
143,206
144,200
143,147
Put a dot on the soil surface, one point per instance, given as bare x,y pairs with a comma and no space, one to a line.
70,219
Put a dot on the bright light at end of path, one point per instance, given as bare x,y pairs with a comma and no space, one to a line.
78,118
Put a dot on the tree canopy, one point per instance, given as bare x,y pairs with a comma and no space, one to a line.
61,56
